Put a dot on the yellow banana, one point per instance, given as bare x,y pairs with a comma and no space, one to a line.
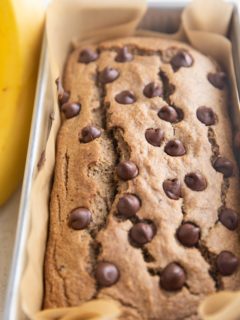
21,25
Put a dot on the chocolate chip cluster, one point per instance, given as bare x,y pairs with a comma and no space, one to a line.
69,109
173,276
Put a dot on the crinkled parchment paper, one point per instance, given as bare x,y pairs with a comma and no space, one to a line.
205,24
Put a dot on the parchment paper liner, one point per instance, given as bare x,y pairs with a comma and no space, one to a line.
92,310
204,25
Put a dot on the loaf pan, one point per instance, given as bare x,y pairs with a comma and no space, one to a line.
163,16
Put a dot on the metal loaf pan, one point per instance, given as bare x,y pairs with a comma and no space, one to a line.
163,16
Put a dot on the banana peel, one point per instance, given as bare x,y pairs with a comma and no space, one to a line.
21,28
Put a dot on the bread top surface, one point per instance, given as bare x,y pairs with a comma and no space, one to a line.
87,176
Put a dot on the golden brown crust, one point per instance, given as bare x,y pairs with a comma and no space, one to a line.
85,177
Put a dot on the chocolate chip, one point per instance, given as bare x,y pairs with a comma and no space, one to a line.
217,79
154,136
70,109
127,170
63,96
172,188
196,181
125,97
227,263
107,274
128,205
206,116
175,148
108,75
229,218
79,218
90,133
224,166
173,277
142,233
87,56
188,234
152,90
168,113
181,59
123,55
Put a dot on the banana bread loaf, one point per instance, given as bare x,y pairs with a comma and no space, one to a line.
145,201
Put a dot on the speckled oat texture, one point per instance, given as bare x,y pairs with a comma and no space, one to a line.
85,176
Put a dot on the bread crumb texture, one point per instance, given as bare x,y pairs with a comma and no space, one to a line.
145,201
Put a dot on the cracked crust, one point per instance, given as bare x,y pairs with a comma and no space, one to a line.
85,176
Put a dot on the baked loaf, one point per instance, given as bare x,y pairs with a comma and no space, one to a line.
145,202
